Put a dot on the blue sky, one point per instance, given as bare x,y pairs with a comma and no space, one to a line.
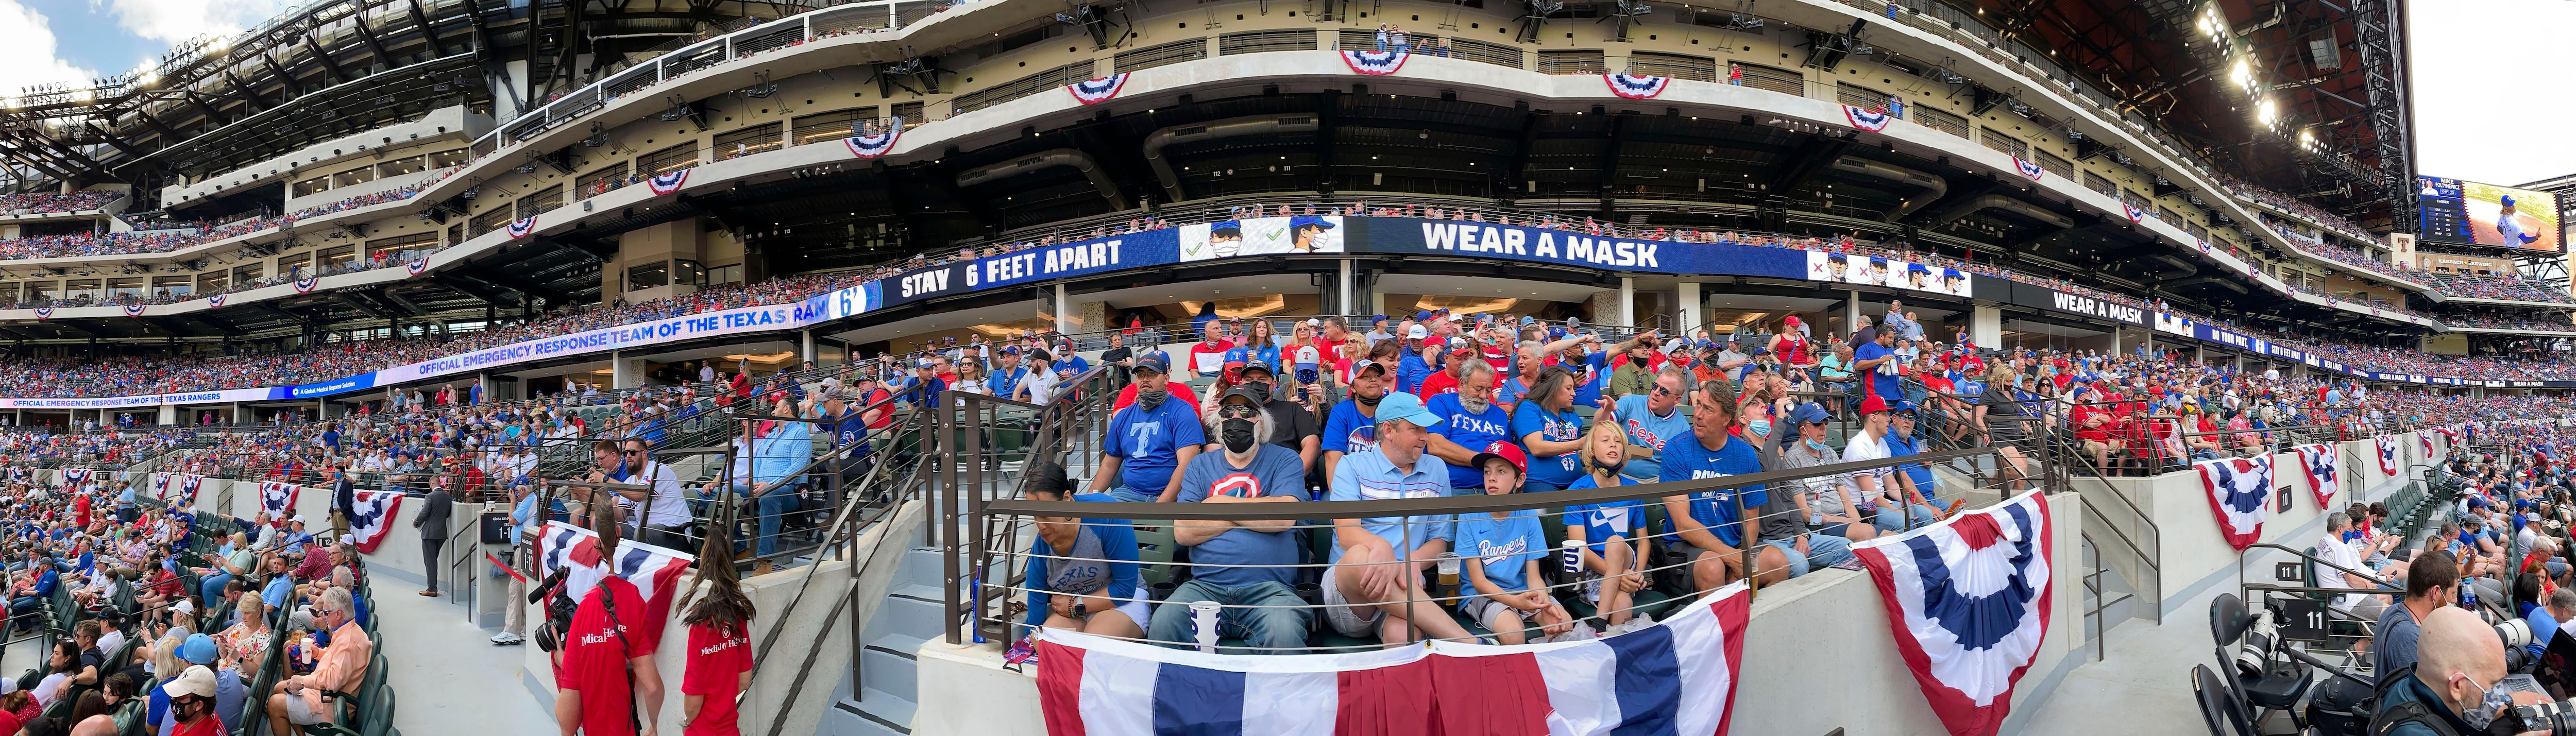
44,41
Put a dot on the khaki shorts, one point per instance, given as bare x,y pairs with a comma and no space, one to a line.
298,713
1338,611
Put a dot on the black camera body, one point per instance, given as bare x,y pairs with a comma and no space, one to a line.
559,609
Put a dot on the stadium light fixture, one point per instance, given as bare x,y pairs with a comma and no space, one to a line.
2243,73
2268,111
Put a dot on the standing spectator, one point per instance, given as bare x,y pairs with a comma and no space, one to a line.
432,523
1148,442
1247,566
719,663
605,667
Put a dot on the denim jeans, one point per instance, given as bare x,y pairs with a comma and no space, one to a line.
1268,630
1822,549
1890,521
772,506
1132,495
213,586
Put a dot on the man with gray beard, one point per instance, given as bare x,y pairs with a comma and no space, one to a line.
1469,420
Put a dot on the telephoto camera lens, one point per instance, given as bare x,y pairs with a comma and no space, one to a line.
2555,719
2254,657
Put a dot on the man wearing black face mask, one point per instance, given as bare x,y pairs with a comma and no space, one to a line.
1294,424
1245,566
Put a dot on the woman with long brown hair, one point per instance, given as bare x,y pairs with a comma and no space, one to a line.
719,659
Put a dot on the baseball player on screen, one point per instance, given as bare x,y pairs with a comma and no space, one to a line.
2510,229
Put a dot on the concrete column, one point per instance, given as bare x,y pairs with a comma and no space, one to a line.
2199,353
1628,301
1986,326
1063,321
807,337
1348,291
169,414
1090,317
1851,311
2117,348
238,418
1377,302
625,372
1687,297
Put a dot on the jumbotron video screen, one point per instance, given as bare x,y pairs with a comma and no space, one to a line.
2485,214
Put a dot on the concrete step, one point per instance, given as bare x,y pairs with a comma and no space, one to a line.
886,665
921,566
875,713
910,615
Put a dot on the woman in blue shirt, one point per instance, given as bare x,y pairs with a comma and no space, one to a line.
1544,421
1082,572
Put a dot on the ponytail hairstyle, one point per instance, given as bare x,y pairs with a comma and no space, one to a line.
715,597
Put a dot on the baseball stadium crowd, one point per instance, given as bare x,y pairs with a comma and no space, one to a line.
44,202
2513,287
2285,203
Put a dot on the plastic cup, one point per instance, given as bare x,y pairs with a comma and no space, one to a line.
1449,563
1573,556
1203,621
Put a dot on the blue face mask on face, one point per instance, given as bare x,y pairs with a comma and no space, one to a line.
2492,701
1818,445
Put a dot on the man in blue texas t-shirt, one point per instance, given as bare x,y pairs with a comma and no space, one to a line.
1469,420
1148,441
1705,525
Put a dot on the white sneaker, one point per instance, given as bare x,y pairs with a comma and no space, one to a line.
506,638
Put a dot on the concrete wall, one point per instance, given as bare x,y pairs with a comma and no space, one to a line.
2194,555
1796,678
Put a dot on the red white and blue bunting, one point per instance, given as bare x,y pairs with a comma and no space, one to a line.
2135,215
665,183
134,310
74,478
1375,63
1968,601
1096,91
187,487
654,571
2426,438
44,313
1677,676
278,498
417,266
2387,454
875,144
522,227
158,485
1636,87
215,300
2238,489
375,517
2325,477
1868,120
2028,170
305,286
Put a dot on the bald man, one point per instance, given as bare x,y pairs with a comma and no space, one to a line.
2458,661
95,726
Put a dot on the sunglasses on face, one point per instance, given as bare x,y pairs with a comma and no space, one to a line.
1238,411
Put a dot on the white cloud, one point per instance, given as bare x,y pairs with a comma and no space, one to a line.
28,57
2485,109
173,21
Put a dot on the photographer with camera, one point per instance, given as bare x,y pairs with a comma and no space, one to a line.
2457,687
2432,581
604,665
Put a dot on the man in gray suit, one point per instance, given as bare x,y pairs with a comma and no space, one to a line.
432,523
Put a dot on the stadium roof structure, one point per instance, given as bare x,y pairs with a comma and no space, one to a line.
2299,96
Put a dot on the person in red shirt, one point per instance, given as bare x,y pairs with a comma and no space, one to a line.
192,703
1207,356
719,653
1180,392
80,510
593,694
1445,380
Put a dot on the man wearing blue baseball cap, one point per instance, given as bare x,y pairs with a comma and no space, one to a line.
2508,228
1364,591
1148,441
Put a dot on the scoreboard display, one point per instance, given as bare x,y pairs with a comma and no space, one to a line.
2468,212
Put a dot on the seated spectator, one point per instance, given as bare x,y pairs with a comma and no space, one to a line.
1374,585
1148,442
340,667
1248,566
1504,549
1081,573
1613,532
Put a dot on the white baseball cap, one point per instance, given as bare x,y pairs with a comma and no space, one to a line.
1417,333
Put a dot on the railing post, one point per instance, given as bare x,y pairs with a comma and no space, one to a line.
940,494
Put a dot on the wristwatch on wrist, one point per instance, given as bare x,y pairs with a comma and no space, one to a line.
1078,611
